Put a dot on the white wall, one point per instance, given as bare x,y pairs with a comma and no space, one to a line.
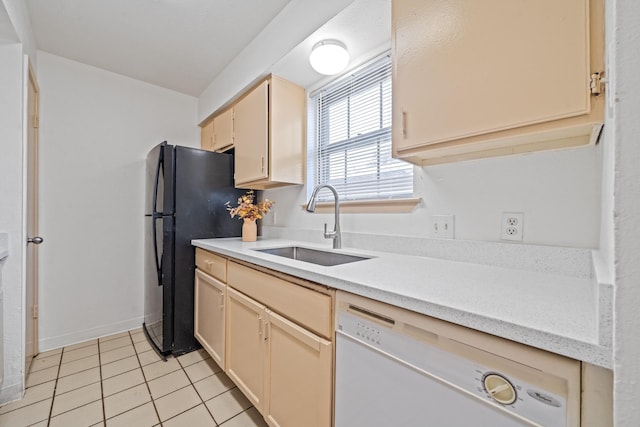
11,215
625,74
96,128
559,193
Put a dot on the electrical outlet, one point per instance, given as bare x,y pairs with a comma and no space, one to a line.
442,226
512,226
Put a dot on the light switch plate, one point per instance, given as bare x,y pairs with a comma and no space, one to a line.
442,226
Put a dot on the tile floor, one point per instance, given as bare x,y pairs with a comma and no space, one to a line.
120,381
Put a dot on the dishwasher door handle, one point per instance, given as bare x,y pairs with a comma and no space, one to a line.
354,309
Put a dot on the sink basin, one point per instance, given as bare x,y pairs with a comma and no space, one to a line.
314,256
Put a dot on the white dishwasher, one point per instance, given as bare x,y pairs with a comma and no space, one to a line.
398,368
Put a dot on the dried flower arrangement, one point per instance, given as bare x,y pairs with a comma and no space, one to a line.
246,208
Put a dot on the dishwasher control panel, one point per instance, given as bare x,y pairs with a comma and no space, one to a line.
368,332
486,377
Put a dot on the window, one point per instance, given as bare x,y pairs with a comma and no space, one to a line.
350,137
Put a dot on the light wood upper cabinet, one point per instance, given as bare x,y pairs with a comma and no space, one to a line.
223,130
269,135
209,311
252,136
477,79
206,136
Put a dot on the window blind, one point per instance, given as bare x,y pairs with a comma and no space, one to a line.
351,143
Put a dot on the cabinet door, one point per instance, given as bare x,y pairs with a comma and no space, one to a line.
251,132
299,376
466,68
206,136
223,130
246,345
209,315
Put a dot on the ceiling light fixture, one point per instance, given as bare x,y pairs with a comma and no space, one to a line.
329,57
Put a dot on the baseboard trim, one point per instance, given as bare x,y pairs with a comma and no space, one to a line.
51,343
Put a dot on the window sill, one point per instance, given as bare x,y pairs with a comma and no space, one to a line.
371,206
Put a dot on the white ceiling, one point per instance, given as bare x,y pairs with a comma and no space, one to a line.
7,34
184,44
177,44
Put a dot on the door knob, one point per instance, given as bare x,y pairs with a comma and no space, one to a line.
35,240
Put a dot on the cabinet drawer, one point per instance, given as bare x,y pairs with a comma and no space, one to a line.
308,308
213,264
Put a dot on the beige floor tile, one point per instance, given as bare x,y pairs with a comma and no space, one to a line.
227,405
158,369
117,354
76,398
138,336
44,423
113,337
80,345
121,402
119,367
148,357
42,376
194,417
79,365
168,383
142,346
32,395
179,401
115,343
213,385
87,415
142,416
193,357
249,418
77,380
79,353
27,415
202,369
40,363
122,382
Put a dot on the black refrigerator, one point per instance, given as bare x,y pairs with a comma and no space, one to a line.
186,192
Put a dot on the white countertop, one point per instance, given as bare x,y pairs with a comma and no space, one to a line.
548,311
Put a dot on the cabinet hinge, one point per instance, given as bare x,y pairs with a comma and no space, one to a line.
596,82
36,121
34,311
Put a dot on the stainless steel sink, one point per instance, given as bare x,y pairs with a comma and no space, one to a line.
314,256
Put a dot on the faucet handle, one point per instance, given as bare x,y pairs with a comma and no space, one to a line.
329,234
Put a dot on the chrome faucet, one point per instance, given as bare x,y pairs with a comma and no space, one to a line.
311,207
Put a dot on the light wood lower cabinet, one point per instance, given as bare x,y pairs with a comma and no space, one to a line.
246,345
282,367
210,296
298,377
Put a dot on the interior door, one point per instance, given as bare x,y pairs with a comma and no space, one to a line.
33,240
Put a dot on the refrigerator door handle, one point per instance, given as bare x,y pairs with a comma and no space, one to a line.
155,189
155,250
